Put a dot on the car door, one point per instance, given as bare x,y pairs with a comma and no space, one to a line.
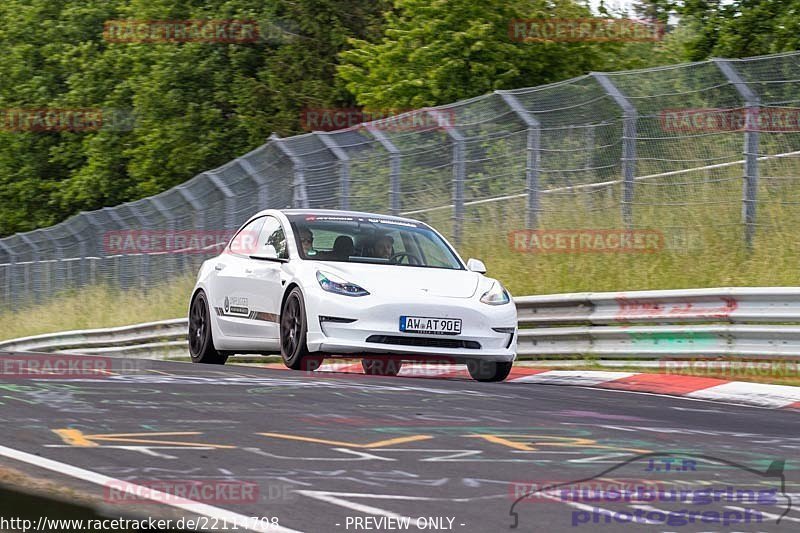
229,296
264,280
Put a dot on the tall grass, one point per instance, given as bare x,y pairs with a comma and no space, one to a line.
703,247
98,307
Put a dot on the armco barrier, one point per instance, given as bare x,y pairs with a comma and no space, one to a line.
152,340
753,322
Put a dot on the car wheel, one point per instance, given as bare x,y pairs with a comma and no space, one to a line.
489,370
381,367
294,351
201,343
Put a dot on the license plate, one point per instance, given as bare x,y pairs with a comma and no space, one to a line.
430,325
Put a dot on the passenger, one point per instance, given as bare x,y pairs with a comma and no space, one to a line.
343,248
306,241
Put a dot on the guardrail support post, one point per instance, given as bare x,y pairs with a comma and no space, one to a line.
394,166
629,116
459,171
344,167
299,192
532,160
752,105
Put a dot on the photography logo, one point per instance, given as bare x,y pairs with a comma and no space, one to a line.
673,491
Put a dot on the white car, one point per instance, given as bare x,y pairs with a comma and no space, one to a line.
323,283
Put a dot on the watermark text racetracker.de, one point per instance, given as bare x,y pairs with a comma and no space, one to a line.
56,366
62,119
586,241
181,31
201,523
584,29
716,120
127,242
731,369
391,120
180,491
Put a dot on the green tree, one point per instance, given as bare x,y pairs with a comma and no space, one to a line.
196,105
438,52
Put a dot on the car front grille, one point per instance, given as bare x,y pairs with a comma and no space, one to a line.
426,342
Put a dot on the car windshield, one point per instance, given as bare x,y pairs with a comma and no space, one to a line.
371,239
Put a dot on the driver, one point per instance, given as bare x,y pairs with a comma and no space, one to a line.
383,247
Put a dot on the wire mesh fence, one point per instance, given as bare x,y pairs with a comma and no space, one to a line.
711,146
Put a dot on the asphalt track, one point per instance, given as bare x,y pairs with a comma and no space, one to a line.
335,452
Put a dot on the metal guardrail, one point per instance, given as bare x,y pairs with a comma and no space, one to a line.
151,340
753,322
743,321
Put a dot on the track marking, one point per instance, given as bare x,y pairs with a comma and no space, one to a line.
561,442
768,515
162,498
76,437
376,444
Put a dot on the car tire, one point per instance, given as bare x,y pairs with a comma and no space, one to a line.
201,340
489,370
381,366
293,328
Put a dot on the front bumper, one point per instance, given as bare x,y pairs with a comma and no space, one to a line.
378,320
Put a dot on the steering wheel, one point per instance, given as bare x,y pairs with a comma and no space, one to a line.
412,259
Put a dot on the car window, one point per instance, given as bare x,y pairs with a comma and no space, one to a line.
432,253
272,234
371,239
245,241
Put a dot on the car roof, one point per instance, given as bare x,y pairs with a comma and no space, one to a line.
340,213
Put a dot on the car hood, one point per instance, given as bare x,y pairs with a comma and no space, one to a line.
404,281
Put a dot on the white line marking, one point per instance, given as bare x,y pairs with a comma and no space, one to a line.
766,514
163,498
332,498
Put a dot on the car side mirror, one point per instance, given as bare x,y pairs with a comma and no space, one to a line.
268,253
476,265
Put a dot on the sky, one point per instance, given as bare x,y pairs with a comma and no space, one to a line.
612,5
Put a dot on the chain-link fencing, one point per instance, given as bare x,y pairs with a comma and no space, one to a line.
711,147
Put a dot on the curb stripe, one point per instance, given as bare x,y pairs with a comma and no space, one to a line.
663,383
697,387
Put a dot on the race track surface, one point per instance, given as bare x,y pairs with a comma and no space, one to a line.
336,452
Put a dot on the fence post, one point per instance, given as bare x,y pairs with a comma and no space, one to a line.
230,197
36,261
9,288
261,183
146,225
629,116
113,215
199,220
299,192
58,262
197,207
394,166
344,167
459,171
98,247
533,159
750,190
81,240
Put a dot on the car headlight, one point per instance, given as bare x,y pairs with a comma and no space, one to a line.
496,295
332,283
